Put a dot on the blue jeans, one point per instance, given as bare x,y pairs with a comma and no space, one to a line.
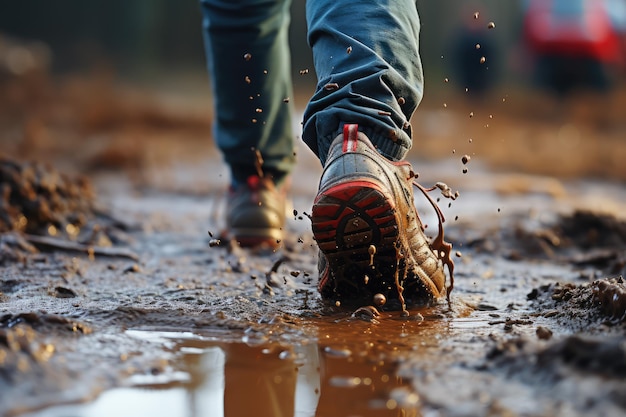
366,55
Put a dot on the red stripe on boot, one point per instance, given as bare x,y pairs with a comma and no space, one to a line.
350,133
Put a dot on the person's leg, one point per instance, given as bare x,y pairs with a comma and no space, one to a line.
364,220
249,63
366,56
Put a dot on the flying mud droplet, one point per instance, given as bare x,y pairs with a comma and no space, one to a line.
465,159
470,140
247,56
445,80
349,50
379,300
477,46
331,87
304,71
476,15
286,100
258,162
445,105
471,114
447,191
483,59
491,25
337,303
214,242
258,110
247,79
458,254
372,251
465,170
401,101
366,279
265,72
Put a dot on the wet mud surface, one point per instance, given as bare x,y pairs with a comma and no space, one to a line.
133,309
535,325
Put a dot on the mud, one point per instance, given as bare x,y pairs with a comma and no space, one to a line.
145,313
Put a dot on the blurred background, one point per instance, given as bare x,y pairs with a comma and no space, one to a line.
90,84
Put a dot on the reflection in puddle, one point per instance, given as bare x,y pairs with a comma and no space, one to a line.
348,368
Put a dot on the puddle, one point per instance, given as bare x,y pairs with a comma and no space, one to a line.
336,366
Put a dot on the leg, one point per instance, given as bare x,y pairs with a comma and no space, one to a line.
368,65
370,236
249,63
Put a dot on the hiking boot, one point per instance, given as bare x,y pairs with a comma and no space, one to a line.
256,212
370,236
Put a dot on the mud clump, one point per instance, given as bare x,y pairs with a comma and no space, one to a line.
40,322
610,295
24,344
40,200
20,350
584,306
583,238
589,230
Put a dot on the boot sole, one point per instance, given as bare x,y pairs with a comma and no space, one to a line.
355,226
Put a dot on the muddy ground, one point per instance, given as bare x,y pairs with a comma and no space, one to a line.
113,287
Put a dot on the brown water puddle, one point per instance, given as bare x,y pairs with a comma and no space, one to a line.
337,366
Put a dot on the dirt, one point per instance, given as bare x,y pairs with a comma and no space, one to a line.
140,311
